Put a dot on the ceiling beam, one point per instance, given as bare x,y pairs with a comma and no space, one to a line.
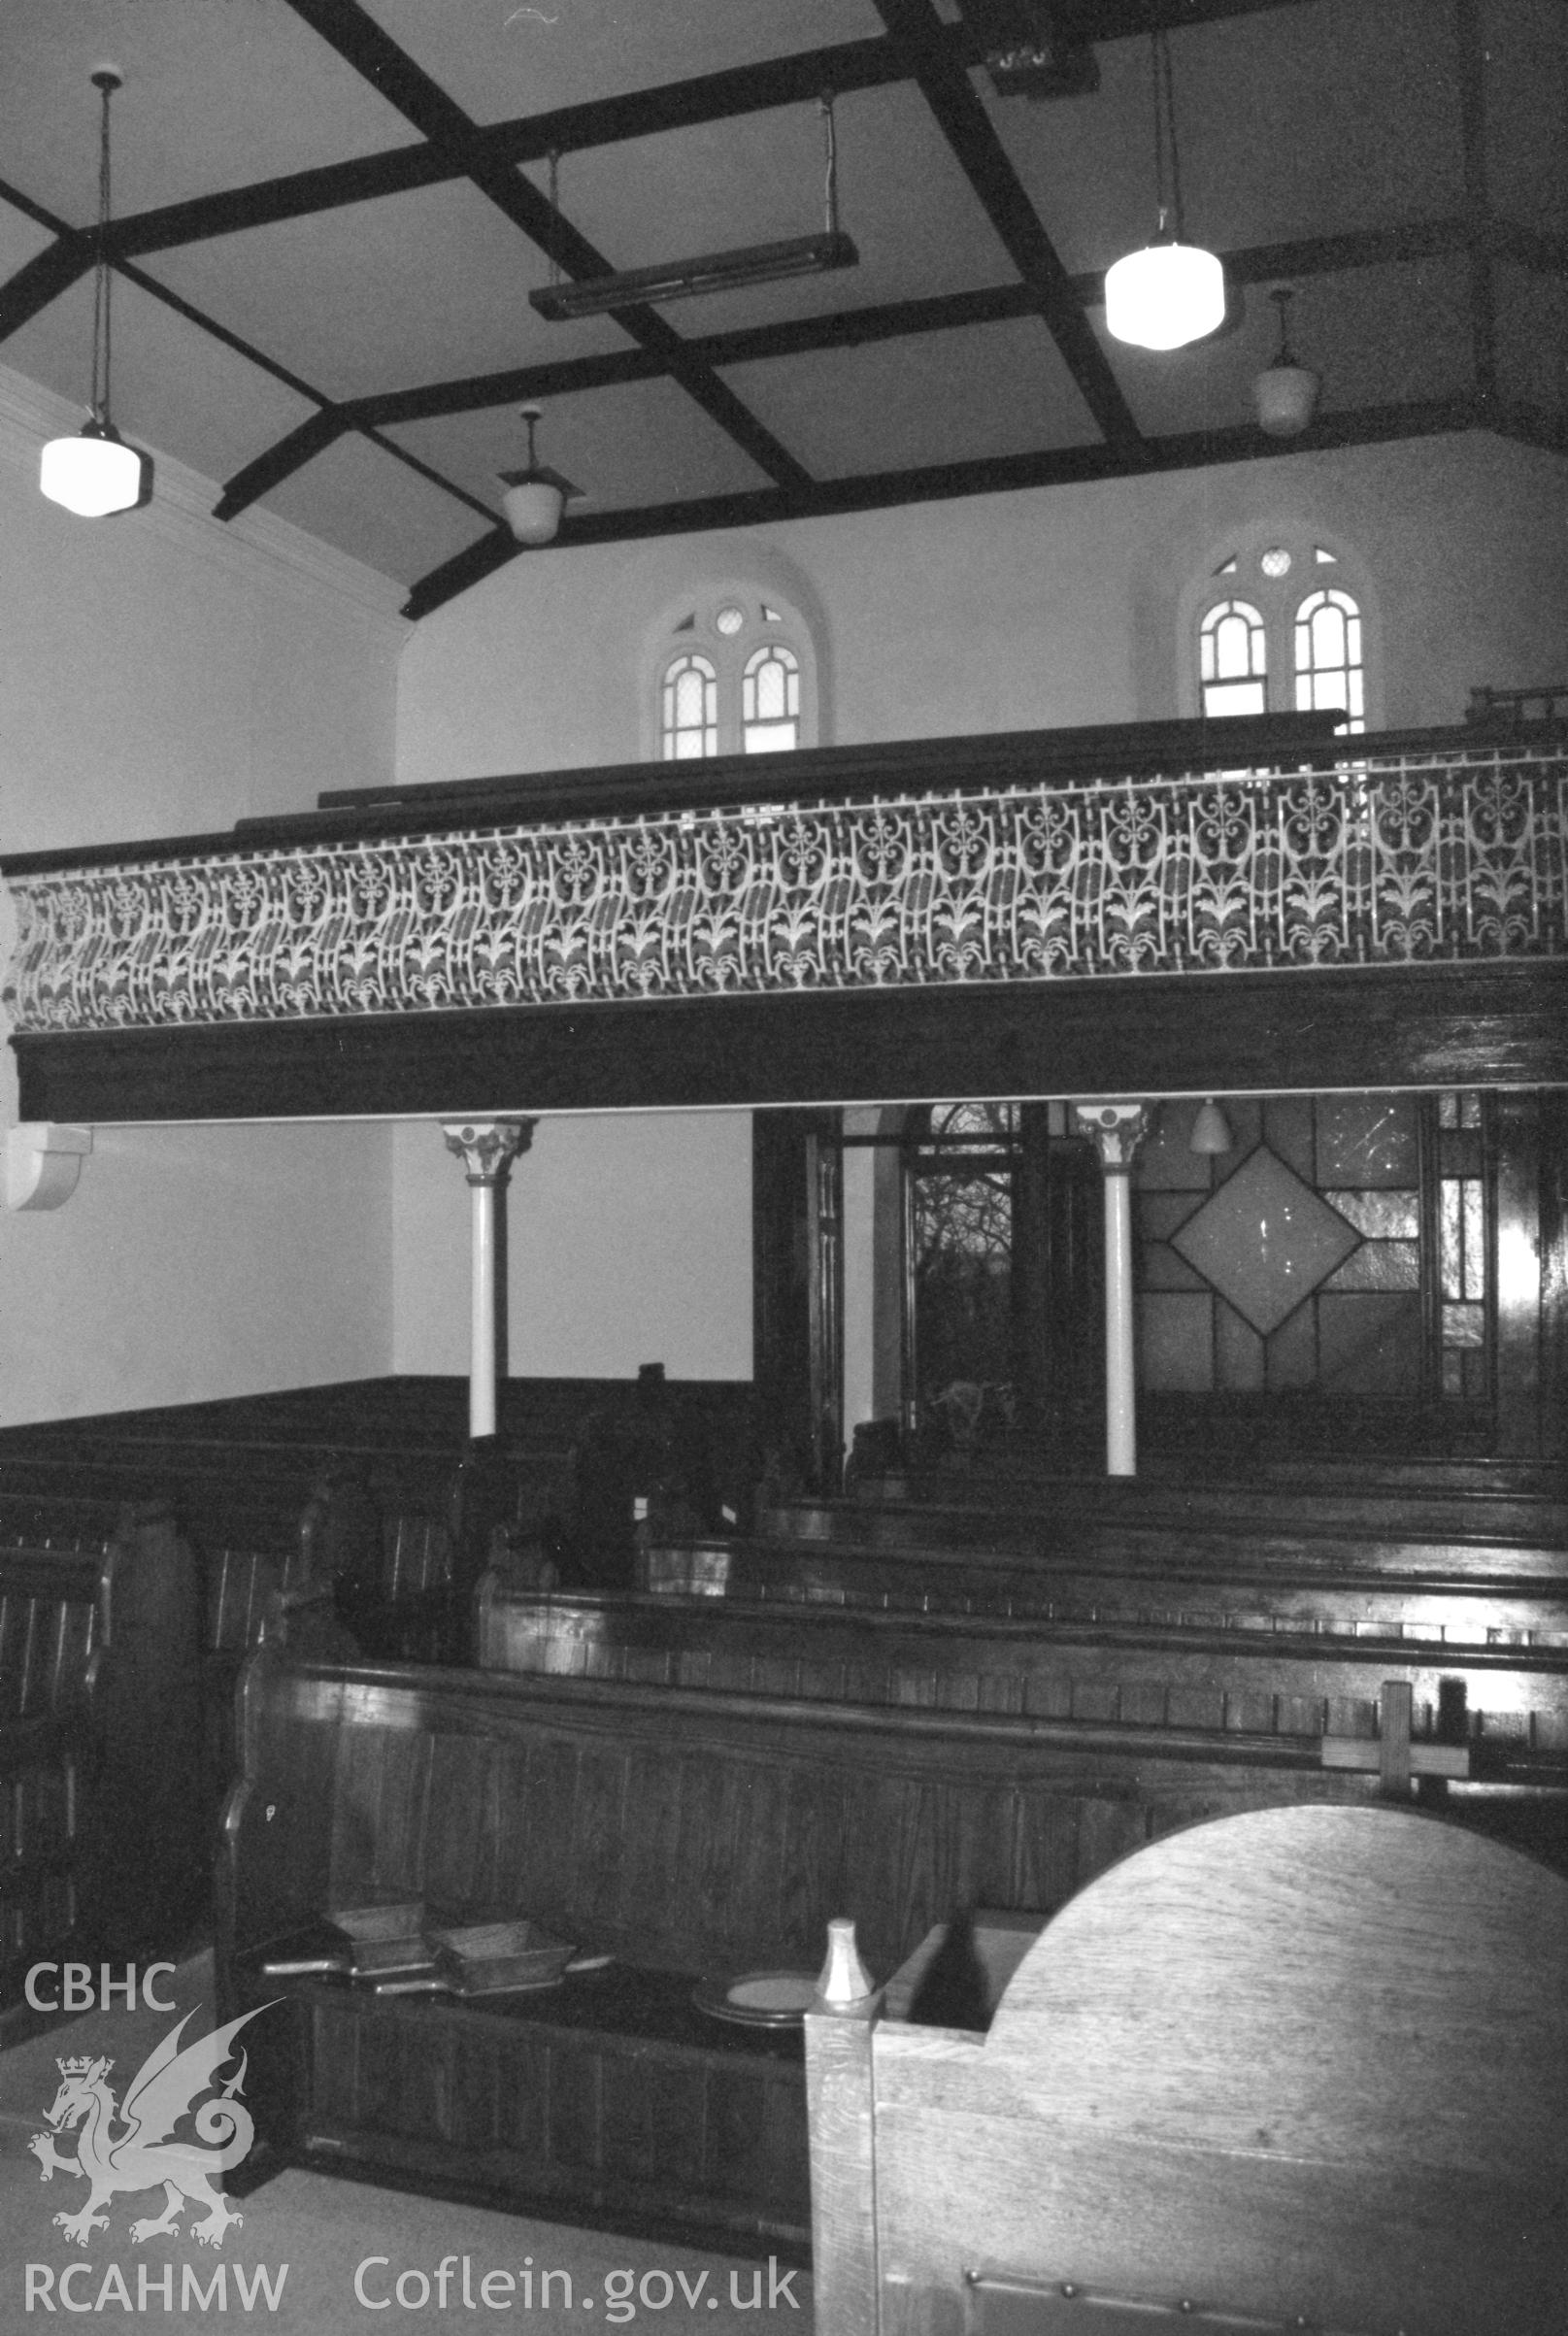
844,67
252,355
800,336
1471,72
948,91
44,278
281,460
1532,248
362,43
1000,473
446,155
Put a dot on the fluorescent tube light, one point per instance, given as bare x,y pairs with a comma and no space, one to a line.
681,278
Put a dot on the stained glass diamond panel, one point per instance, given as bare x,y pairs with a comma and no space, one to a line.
1265,1240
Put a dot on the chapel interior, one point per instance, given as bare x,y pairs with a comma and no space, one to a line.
834,1187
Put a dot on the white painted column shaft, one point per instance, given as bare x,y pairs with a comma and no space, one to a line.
1118,1129
487,1149
1120,1383
482,1326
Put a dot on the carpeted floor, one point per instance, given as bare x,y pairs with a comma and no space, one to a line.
293,2263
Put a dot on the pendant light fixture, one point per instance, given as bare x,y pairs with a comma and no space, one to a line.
1286,390
536,497
1171,293
95,473
1211,1129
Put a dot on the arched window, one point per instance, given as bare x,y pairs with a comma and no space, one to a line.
1329,669
735,674
688,722
1233,659
1295,641
770,700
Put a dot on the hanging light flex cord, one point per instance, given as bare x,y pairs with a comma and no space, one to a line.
1167,162
830,191
103,275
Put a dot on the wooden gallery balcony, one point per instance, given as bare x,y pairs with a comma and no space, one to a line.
1153,910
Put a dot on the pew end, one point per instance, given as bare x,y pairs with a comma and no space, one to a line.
1302,2066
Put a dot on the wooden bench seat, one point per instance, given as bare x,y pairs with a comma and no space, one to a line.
104,1813
693,1832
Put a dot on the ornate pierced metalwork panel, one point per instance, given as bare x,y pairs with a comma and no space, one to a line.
1390,861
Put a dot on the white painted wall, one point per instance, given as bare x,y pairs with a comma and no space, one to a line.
158,674
628,1240
1008,611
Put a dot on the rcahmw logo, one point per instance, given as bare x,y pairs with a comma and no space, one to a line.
143,2154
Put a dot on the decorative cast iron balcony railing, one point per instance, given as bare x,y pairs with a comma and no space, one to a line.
1398,859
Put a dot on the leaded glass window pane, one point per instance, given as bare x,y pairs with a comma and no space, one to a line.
1328,659
770,700
689,710
1233,659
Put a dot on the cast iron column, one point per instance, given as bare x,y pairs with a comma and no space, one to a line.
487,1149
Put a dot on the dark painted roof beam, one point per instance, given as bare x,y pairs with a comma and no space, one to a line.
1528,247
362,43
444,156
836,328
843,67
241,348
952,96
44,278
993,474
1472,80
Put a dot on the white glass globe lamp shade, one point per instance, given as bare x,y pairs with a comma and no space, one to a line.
1211,1129
533,507
1164,296
1285,396
535,497
95,473
1286,392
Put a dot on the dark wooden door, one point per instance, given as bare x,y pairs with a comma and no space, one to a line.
1058,1277
797,1337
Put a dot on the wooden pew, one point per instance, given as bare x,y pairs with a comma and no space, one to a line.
105,1813
1114,1521
1300,2068
1217,1671
694,1835
848,1572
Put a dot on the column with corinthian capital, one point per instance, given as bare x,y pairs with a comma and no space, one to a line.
487,1149
1118,1129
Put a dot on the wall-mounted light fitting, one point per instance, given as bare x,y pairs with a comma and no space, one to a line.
95,473
1171,293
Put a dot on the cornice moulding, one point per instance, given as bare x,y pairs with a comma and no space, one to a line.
181,512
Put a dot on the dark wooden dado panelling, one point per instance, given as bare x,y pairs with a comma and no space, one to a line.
686,1832
1480,1024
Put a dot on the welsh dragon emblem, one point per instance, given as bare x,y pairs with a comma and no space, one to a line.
141,2155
